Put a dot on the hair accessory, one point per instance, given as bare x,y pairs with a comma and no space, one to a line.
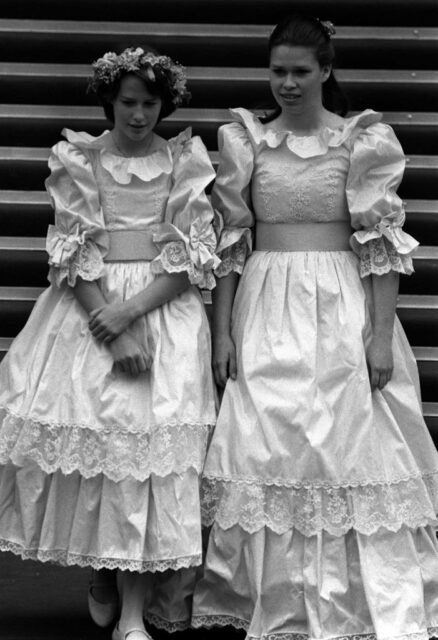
109,68
329,27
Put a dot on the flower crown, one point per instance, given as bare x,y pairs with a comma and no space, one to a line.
110,67
328,27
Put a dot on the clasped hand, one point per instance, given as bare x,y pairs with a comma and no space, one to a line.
380,363
109,321
224,359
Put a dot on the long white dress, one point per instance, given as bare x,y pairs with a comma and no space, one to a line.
322,495
99,468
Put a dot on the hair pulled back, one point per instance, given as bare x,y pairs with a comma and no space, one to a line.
306,31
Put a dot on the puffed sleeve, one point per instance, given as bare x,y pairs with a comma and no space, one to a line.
186,239
376,170
231,198
78,241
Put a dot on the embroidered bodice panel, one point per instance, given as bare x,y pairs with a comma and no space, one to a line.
288,188
135,205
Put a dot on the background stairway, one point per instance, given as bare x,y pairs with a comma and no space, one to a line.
386,58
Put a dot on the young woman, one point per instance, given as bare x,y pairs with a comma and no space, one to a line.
107,395
321,481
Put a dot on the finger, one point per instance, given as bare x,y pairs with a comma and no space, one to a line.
232,367
374,379
218,376
94,312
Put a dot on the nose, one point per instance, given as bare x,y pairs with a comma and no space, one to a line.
289,81
139,114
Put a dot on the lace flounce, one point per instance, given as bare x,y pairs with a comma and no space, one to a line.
379,256
169,626
303,146
234,247
67,559
209,621
121,168
115,452
411,501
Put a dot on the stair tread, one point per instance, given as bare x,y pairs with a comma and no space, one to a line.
190,30
214,74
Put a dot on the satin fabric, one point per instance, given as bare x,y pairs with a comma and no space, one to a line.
322,495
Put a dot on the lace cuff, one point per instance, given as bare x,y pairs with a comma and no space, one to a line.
234,248
379,256
193,252
86,262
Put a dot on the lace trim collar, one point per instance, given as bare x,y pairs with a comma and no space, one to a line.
122,169
303,146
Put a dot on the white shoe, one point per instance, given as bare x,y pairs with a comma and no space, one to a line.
119,635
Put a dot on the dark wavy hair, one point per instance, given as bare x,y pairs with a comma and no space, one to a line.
106,93
306,31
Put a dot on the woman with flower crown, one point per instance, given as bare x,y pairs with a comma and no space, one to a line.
106,396
321,480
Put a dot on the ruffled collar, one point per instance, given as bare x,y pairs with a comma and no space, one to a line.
121,168
303,146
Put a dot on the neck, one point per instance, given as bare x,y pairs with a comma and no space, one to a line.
304,122
128,147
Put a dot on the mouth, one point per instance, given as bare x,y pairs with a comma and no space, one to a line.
289,97
137,127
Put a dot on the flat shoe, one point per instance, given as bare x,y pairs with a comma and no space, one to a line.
119,635
102,613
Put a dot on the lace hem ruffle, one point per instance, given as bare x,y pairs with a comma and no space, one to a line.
115,452
233,258
167,625
67,559
378,256
209,621
311,509
175,259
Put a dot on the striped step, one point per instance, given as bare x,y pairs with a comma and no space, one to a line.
385,12
222,87
84,41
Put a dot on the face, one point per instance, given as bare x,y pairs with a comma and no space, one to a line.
136,110
296,78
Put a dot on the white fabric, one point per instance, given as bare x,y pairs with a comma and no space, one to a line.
322,495
116,457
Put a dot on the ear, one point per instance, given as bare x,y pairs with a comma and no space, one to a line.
325,72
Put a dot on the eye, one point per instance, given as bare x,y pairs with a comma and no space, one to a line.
277,71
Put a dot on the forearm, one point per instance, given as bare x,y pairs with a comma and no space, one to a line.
223,298
164,288
88,294
385,291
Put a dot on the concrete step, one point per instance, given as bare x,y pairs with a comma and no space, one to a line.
72,41
342,12
384,89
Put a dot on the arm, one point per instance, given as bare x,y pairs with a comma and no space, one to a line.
107,321
224,351
379,351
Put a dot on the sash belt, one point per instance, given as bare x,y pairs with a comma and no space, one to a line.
130,245
307,236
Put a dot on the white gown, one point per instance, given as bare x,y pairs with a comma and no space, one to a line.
99,468
322,496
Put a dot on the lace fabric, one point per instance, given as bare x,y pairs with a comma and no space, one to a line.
67,559
233,258
86,263
167,625
209,621
378,256
117,453
309,509
175,259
